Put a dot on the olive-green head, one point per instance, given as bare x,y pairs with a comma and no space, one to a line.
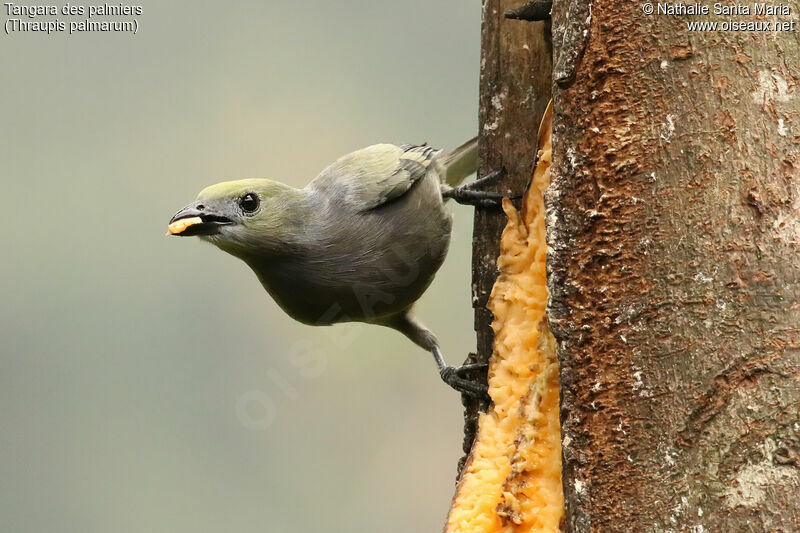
243,217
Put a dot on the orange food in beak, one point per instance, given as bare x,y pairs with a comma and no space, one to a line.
179,226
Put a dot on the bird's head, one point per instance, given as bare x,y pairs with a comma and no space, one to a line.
242,217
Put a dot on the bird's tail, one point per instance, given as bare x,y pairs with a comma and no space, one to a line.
460,162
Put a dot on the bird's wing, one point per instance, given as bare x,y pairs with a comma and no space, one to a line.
375,175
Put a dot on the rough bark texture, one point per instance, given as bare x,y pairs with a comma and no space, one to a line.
674,275
514,92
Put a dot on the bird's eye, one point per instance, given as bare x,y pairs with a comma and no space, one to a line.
249,202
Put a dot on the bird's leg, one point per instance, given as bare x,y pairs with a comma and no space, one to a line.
471,193
409,326
453,376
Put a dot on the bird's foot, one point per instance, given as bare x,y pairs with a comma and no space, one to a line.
454,376
489,178
471,193
469,367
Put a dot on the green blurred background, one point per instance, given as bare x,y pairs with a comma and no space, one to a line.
146,382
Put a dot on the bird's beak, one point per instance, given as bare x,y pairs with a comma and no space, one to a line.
196,219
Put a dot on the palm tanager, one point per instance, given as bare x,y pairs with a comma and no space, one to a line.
361,242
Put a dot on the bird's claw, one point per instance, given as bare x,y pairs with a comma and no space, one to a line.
469,367
452,376
487,179
471,193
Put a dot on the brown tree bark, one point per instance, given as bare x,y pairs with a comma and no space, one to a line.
674,258
674,275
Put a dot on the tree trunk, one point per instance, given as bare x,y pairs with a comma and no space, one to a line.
514,91
674,276
673,226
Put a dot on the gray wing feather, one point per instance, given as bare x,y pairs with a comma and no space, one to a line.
375,175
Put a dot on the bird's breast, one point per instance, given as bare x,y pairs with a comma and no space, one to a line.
361,266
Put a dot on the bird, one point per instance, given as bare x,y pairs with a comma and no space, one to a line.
360,243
